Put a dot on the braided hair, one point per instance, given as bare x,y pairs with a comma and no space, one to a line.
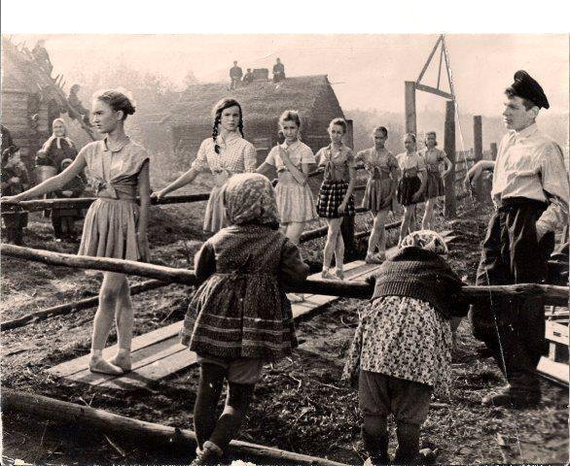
217,111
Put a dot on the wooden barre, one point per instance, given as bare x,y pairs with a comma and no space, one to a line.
549,294
63,411
75,306
84,202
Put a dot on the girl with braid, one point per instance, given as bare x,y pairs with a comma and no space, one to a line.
225,154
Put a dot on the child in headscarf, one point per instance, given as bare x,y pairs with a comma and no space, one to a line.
243,317
63,220
402,346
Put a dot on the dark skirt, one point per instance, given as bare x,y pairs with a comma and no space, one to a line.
331,195
378,195
434,186
407,187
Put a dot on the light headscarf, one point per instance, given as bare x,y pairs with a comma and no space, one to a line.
250,198
49,142
426,239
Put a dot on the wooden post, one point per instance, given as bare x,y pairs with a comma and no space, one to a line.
410,100
493,151
347,231
478,153
449,148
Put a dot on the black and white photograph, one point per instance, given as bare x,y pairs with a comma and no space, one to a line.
244,240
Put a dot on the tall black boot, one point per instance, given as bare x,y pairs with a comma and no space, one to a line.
408,444
377,448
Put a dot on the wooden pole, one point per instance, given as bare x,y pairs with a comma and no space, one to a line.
75,306
493,151
550,294
449,148
85,202
478,153
105,421
410,102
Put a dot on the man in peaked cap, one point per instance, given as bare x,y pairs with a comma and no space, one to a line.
530,192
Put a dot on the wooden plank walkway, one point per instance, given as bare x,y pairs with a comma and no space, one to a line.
158,354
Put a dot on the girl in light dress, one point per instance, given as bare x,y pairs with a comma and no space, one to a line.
335,195
433,158
382,168
115,225
224,154
412,184
292,160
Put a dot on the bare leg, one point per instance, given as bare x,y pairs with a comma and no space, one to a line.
428,214
108,296
339,251
378,236
124,322
374,237
330,245
408,212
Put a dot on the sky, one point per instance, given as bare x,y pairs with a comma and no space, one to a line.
367,71
367,49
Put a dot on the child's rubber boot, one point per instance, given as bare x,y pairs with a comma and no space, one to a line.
376,447
408,451
210,455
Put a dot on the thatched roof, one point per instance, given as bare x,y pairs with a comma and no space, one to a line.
21,72
260,100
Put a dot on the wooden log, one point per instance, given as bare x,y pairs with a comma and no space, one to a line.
410,107
478,153
389,226
449,148
167,274
87,417
549,294
75,306
493,151
84,202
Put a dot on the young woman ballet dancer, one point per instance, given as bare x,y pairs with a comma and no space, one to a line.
115,225
224,154
335,195
382,168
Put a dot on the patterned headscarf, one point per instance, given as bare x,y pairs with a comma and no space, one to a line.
426,239
250,198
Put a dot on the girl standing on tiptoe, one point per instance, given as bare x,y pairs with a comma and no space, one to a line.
433,158
292,159
115,226
412,183
335,195
382,168
224,154
243,318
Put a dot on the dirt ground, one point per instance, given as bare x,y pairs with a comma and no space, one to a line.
300,404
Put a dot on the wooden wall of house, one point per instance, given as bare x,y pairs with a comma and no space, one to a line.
17,110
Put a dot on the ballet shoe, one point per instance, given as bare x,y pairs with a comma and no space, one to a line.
124,362
101,366
295,298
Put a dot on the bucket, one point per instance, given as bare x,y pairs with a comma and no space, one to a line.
44,172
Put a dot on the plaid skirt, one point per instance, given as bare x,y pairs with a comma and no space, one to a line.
331,195
407,187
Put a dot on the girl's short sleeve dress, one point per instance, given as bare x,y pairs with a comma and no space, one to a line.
110,228
235,156
294,201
